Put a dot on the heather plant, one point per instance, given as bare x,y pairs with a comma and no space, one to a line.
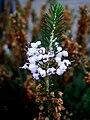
83,28
46,60
48,80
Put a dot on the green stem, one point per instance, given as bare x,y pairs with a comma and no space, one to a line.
47,85
52,34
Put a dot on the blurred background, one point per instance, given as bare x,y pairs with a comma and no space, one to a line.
20,23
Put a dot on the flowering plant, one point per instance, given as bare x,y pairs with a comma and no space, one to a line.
38,58
47,59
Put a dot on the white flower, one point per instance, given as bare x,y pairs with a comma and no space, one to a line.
31,60
59,72
56,44
65,53
58,59
53,70
33,68
39,57
40,63
59,55
39,69
67,62
25,66
37,51
31,51
45,58
33,45
59,49
63,67
51,54
38,43
43,73
49,72
36,76
41,50
35,57
28,53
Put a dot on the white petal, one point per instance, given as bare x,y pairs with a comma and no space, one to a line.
58,59
59,55
59,72
49,72
39,57
38,43
45,58
33,68
33,45
51,54
43,73
59,49
63,67
67,62
65,53
56,43
36,76
31,51
43,49
25,66
28,53
39,69
31,60
53,70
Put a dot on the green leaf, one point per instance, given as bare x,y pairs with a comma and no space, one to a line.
53,21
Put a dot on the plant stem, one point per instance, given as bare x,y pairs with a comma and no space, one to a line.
47,85
52,34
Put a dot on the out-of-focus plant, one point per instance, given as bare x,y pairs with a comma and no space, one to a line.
68,18
82,33
82,39
15,33
37,21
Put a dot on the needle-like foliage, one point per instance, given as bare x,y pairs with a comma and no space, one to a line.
52,23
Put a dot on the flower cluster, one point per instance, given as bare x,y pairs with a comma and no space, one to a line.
39,60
